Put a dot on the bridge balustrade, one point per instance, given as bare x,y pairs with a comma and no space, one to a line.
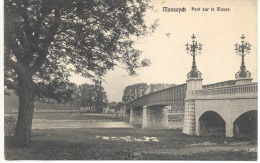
234,89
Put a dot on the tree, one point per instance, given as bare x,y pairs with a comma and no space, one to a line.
92,96
46,40
135,91
112,105
116,106
120,105
160,86
74,102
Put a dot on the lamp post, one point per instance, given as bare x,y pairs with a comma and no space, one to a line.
194,49
242,50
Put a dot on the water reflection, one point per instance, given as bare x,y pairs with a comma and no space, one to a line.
50,124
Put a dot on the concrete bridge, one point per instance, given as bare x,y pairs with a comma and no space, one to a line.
226,108
221,109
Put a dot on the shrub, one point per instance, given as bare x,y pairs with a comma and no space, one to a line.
10,123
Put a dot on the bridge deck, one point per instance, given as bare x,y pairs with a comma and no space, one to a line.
175,96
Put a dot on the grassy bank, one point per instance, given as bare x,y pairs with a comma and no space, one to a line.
83,144
109,143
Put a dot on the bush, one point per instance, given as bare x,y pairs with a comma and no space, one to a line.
10,123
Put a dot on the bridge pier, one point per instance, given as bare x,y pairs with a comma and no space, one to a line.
229,130
136,116
230,127
189,126
155,117
145,117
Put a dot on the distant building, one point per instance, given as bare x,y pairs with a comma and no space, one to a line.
85,109
106,110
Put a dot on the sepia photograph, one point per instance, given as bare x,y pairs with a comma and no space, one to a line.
101,80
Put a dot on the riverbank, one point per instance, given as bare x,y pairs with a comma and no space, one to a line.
114,143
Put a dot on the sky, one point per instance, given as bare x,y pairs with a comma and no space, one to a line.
218,31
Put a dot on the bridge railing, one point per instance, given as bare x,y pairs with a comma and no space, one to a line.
234,89
170,96
175,96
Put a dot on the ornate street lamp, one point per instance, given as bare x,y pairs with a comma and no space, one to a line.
193,49
242,50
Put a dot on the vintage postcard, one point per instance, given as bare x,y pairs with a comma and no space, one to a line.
130,80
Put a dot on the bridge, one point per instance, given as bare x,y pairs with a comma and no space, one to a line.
226,108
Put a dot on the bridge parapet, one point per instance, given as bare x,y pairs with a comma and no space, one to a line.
219,84
233,91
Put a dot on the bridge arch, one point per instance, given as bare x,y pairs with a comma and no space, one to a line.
212,124
245,125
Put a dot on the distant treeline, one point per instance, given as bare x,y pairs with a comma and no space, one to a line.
90,97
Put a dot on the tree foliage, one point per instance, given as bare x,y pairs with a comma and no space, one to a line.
159,86
91,96
134,91
115,105
43,36
46,40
